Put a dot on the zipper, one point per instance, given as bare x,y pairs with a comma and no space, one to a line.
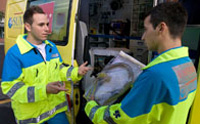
35,50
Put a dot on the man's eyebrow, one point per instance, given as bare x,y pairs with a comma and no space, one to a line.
43,23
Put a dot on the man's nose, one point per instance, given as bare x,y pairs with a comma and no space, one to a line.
143,36
46,27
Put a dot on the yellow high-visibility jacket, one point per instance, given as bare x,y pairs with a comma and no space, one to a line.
25,76
162,94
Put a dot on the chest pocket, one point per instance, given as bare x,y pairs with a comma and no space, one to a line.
35,74
53,70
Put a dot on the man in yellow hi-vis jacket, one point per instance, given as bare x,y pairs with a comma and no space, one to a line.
33,73
165,90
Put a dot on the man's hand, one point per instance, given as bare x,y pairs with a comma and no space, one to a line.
83,69
55,87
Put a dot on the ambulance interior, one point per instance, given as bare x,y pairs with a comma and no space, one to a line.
112,26
109,26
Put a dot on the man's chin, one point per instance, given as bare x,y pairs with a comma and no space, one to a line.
43,39
150,49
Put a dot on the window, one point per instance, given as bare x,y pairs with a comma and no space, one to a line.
191,38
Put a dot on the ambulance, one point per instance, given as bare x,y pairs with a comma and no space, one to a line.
93,31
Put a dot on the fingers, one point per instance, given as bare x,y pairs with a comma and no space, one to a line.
55,87
85,63
59,88
62,87
60,84
83,69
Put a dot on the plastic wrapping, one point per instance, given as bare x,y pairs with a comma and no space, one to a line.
114,80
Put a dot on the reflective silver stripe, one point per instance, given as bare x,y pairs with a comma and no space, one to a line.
92,112
31,94
69,71
187,78
44,115
62,66
107,117
12,91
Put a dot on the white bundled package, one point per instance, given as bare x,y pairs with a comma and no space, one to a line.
114,80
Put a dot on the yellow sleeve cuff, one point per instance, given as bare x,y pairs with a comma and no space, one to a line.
74,75
89,106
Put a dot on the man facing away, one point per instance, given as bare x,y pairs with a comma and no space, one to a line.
33,73
165,90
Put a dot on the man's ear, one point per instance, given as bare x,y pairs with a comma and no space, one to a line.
27,26
161,27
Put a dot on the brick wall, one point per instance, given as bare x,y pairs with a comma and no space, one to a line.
1,58
3,5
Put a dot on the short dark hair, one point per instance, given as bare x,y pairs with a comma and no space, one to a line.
28,15
173,14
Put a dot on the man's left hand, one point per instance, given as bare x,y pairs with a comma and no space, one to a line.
83,69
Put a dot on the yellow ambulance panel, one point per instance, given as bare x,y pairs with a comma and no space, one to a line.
13,21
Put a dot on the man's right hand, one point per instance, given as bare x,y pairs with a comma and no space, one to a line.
55,87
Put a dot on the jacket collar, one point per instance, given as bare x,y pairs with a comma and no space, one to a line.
24,45
172,54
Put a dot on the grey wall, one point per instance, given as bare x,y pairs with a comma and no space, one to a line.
84,11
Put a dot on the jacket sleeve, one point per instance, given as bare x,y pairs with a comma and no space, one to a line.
68,73
135,107
12,82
